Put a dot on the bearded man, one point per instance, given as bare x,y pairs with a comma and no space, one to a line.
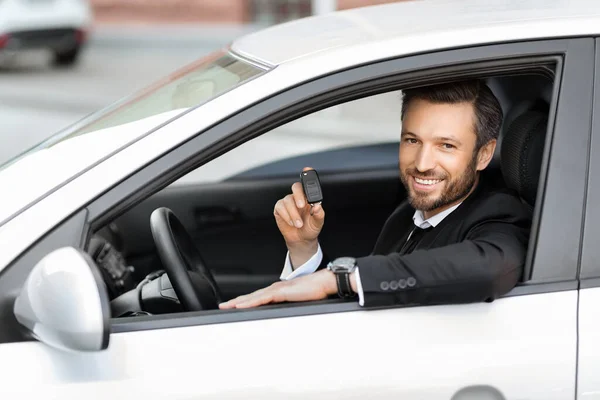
456,239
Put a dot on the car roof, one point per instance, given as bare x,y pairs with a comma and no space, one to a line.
418,19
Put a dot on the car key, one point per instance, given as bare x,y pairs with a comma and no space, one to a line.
311,186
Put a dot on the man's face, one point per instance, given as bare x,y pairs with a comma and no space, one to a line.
438,162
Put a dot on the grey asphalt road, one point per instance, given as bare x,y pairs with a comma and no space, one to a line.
37,100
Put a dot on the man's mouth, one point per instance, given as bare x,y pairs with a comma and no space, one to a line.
425,184
427,181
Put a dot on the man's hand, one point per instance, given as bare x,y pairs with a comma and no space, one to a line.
316,286
299,223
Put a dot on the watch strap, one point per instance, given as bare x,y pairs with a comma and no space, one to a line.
343,285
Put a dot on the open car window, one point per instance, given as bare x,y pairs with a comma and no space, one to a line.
356,135
228,202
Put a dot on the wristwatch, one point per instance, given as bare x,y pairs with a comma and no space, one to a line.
342,268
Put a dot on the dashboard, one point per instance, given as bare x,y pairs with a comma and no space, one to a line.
104,250
130,292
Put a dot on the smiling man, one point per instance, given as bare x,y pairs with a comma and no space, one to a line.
456,239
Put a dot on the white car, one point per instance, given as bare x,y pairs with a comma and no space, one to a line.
61,26
87,309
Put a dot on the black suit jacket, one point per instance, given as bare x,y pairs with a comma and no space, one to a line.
475,254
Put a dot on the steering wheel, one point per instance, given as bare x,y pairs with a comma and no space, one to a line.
192,281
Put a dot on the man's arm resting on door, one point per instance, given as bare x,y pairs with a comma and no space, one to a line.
483,267
315,286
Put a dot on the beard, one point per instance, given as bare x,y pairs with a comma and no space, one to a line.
453,191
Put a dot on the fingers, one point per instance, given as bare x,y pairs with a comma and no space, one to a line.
306,288
245,297
298,194
281,213
286,209
233,302
317,211
298,191
292,210
256,301
260,297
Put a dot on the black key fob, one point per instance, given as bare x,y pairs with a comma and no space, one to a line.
311,186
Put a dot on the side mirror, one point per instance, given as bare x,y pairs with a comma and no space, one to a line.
64,302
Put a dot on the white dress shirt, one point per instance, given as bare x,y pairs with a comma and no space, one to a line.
313,263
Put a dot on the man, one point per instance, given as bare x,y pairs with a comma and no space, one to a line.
456,239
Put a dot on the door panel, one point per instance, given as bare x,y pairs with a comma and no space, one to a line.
588,378
523,346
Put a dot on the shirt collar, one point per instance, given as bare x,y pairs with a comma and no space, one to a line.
423,223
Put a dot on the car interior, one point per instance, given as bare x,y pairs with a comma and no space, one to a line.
221,241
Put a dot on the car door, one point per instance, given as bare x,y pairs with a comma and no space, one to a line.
333,348
588,381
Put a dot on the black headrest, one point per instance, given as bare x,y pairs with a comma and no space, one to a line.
522,151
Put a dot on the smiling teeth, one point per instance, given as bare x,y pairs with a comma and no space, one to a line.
427,181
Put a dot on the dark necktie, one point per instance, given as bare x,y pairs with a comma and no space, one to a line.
414,239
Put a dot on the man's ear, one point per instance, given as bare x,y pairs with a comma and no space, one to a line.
485,154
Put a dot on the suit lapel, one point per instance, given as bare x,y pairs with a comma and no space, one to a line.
395,230
400,223
446,231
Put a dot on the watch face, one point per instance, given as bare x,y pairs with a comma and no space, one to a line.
343,264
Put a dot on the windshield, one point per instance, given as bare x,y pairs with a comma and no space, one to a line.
188,87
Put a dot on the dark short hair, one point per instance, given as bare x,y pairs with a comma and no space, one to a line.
488,113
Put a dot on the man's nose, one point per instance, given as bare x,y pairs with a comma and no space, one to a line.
425,159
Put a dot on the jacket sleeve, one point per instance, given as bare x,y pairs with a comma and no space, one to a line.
485,265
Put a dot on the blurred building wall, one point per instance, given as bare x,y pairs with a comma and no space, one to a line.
170,11
212,11
346,4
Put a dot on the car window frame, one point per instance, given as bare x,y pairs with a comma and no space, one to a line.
419,68
367,79
589,273
569,126
567,281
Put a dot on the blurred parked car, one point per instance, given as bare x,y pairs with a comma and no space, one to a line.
60,26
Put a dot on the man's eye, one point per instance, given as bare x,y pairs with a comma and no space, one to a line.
447,146
411,140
